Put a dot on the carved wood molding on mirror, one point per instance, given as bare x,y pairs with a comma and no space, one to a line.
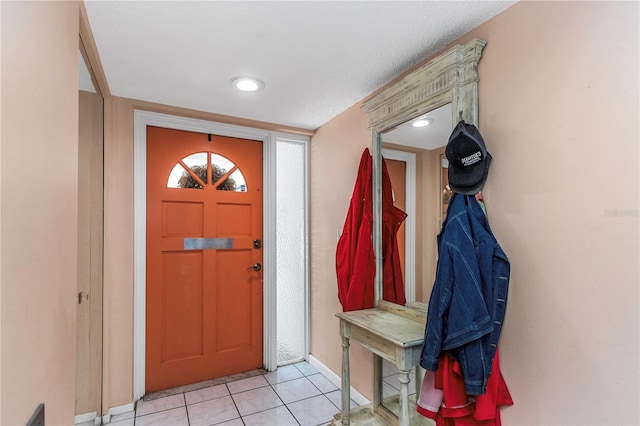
451,77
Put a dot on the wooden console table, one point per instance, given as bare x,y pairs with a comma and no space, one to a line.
391,332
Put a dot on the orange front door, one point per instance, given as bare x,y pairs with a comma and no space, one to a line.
398,174
204,256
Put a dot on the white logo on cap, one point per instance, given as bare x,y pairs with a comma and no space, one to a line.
472,159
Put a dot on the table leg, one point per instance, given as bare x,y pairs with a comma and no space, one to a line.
403,417
377,382
346,383
419,378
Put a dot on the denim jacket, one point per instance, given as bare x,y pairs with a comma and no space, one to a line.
469,296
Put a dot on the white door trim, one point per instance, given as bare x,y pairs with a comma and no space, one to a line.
410,224
142,119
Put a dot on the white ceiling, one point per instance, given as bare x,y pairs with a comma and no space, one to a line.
317,58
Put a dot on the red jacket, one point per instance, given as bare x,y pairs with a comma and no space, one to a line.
392,218
355,261
443,397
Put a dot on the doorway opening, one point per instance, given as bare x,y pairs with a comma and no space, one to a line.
271,288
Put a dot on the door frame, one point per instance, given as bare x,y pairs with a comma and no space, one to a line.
410,235
142,119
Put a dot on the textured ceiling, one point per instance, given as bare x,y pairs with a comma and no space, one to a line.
317,58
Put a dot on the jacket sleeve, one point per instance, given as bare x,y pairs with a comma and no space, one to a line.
437,311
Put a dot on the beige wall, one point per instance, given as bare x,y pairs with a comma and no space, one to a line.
336,149
118,254
39,196
559,112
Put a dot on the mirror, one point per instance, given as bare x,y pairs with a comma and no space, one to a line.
90,243
412,155
449,79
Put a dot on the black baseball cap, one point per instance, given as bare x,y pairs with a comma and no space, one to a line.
468,158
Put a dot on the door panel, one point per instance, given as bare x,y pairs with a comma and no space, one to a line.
232,268
182,218
89,311
181,309
204,301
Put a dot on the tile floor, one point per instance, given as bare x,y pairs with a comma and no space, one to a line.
295,394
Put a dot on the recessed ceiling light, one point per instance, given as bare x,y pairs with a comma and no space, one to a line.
421,122
247,83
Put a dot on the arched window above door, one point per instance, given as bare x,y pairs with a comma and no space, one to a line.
207,168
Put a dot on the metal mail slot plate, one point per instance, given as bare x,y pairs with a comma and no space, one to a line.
208,243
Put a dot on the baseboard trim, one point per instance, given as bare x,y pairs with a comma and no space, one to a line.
86,417
120,409
337,380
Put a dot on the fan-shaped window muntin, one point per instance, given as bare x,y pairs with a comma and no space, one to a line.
202,169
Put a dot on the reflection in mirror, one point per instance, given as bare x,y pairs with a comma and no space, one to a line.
413,158
444,186
416,134
90,243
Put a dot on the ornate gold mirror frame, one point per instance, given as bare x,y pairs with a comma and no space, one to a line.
451,77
